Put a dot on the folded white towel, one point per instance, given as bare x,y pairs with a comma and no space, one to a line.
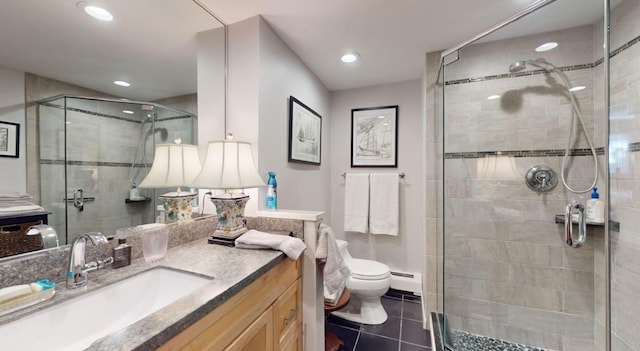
20,209
253,239
356,202
384,211
335,270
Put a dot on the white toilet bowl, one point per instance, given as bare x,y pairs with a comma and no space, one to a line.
369,280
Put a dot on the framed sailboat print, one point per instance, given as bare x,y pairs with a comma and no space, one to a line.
305,133
374,136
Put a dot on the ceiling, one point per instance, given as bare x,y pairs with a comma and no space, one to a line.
155,39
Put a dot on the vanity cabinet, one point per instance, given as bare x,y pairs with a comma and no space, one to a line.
264,316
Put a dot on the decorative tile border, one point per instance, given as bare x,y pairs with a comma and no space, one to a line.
525,153
91,163
622,48
92,113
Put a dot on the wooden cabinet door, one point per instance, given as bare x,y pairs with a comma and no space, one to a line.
287,312
257,337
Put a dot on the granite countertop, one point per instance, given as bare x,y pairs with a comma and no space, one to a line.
231,270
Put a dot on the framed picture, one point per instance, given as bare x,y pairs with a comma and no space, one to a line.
374,136
305,133
9,139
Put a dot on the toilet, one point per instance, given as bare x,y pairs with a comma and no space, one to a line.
369,280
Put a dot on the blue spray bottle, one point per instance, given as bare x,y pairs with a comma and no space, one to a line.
272,193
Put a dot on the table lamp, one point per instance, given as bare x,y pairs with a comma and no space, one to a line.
229,165
174,165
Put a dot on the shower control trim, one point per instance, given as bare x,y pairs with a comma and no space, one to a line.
541,178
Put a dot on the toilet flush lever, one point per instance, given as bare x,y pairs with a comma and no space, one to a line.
568,225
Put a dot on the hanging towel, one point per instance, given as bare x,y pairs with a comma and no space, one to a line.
335,270
356,202
253,239
384,204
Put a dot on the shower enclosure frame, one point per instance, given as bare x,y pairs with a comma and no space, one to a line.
131,162
438,320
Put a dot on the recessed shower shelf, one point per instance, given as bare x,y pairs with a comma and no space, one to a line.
615,226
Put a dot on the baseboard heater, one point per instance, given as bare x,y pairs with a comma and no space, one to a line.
411,282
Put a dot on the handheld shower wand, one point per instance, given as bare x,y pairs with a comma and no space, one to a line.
575,111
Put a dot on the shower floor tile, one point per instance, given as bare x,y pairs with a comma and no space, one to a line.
464,341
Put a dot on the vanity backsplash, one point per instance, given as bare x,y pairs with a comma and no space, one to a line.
51,264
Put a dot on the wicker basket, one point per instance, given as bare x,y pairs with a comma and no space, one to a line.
14,239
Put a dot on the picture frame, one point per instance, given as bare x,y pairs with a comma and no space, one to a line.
374,136
9,139
305,133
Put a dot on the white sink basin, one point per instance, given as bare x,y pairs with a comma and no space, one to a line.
75,324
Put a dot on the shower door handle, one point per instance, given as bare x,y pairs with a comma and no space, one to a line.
78,199
568,225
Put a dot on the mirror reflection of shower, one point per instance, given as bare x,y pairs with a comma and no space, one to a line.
575,111
140,159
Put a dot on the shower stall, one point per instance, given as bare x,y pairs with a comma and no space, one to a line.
554,90
91,151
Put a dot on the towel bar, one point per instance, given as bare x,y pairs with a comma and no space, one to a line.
401,175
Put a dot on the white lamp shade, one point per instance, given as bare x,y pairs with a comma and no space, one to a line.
174,165
228,165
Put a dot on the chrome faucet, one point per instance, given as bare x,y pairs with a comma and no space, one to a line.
77,273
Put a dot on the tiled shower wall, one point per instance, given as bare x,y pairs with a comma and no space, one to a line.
508,273
624,180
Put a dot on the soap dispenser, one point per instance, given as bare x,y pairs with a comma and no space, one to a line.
121,254
595,208
133,193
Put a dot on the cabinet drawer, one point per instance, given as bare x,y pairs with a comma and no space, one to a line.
287,310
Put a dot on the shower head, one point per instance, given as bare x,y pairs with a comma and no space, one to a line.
517,66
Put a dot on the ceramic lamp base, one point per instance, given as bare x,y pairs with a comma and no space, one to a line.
177,206
230,210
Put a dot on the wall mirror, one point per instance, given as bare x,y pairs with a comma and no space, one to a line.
85,134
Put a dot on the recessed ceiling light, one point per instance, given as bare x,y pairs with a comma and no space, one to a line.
94,11
493,97
129,112
121,83
577,88
547,46
381,117
350,57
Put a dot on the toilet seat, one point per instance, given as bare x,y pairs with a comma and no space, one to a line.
369,270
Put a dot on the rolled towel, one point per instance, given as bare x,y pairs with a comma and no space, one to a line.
253,239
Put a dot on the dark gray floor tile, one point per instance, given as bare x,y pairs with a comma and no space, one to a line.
369,342
392,305
348,336
412,310
390,328
411,347
412,332
342,322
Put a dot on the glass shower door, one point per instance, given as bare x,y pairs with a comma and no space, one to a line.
510,281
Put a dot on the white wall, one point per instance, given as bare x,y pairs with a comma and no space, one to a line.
211,90
404,252
283,74
14,170
263,73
